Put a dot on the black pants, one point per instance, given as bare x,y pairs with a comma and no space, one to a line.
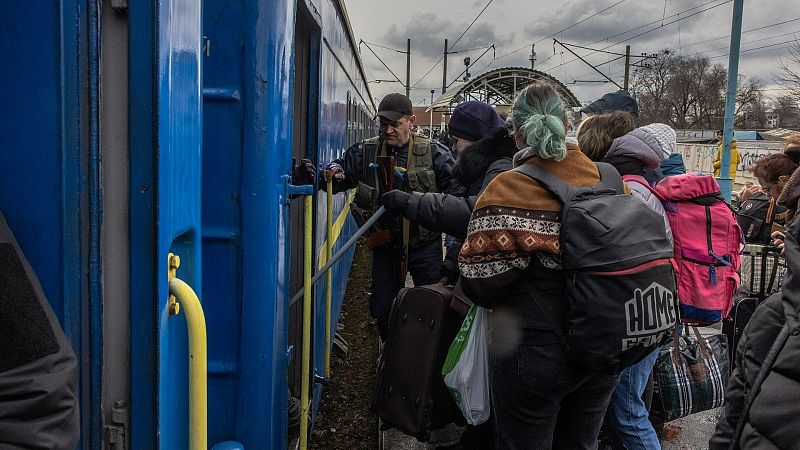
424,263
541,400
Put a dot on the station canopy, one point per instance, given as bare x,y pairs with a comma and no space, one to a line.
498,88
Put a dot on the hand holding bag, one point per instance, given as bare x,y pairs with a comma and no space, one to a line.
691,375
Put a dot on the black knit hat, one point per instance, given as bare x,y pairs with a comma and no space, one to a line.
394,106
474,120
614,101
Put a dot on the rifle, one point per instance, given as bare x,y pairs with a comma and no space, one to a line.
386,177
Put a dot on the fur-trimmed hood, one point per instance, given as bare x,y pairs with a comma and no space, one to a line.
473,163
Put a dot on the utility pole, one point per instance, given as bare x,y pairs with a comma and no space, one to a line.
533,56
627,65
724,180
408,69
430,134
444,74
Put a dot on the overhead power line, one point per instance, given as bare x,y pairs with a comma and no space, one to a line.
471,24
648,31
561,30
743,32
786,43
438,61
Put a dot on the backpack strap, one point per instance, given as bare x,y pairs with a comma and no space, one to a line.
640,180
609,179
552,183
774,351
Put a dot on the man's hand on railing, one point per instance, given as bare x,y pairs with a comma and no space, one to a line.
334,172
304,173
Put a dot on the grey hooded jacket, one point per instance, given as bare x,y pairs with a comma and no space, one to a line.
638,152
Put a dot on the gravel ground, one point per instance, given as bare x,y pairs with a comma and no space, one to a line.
345,420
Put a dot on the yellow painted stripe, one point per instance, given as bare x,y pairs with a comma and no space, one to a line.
337,228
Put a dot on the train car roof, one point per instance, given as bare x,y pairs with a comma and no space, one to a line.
351,37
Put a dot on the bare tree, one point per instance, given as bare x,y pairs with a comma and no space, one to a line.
786,108
789,72
684,92
650,85
751,109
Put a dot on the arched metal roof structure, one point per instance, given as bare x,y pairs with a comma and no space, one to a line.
499,87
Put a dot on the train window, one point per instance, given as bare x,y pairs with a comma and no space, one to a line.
348,124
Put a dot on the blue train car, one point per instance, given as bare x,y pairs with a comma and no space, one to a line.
132,130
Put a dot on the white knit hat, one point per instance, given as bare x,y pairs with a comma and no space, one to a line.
664,135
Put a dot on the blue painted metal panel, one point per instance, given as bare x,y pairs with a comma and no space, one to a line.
43,184
267,40
165,116
222,178
179,190
142,109
31,141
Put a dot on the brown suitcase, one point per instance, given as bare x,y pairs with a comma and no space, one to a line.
410,393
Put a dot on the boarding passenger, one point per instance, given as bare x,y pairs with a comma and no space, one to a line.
770,421
634,152
774,172
613,101
38,369
486,149
423,166
674,165
540,398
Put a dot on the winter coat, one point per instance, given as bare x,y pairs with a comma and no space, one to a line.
352,162
639,153
772,419
38,369
735,160
474,169
513,245
673,165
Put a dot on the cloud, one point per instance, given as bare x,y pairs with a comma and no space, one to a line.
428,31
514,24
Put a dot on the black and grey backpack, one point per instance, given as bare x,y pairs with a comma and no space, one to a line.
617,259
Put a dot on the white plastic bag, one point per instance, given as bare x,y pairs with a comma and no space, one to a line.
466,369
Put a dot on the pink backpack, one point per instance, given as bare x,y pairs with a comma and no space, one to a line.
708,245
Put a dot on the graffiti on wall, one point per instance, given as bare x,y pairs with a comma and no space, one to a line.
700,158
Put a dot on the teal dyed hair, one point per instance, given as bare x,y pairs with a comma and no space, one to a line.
539,114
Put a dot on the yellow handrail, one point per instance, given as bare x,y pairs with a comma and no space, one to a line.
306,358
328,279
182,294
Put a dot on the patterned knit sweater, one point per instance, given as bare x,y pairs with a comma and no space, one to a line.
513,234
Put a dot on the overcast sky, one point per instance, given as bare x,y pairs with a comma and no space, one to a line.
704,27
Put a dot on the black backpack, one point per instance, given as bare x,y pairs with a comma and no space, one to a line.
756,215
620,282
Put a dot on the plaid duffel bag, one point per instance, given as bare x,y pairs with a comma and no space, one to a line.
691,374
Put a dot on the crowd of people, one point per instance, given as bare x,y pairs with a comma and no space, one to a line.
506,230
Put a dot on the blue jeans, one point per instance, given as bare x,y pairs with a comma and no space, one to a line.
627,419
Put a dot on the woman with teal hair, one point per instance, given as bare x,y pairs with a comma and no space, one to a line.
539,398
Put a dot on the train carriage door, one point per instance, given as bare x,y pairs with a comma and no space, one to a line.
304,137
165,158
